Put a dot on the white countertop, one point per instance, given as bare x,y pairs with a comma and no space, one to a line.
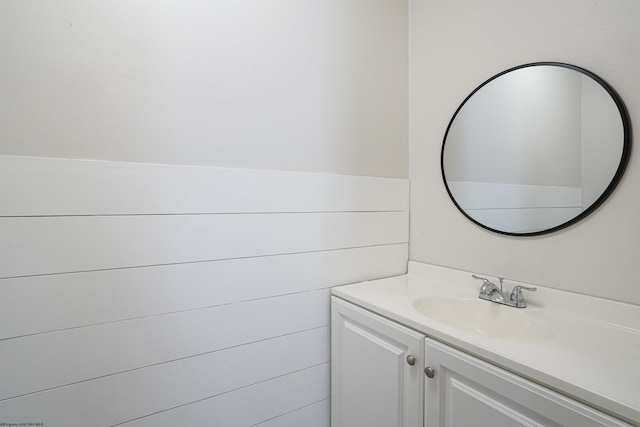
592,352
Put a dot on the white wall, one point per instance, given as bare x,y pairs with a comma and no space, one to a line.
458,44
155,294
284,84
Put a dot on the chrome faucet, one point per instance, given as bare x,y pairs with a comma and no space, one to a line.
491,292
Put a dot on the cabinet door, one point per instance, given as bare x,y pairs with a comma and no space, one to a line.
373,384
466,391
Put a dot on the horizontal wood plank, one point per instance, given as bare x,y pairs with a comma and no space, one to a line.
130,395
38,304
45,245
315,415
48,186
40,362
250,405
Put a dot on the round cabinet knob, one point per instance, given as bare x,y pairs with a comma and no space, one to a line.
411,360
429,372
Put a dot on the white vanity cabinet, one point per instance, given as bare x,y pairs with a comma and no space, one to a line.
466,391
376,370
379,379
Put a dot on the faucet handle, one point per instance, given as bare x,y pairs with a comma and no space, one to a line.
487,284
488,287
484,279
516,297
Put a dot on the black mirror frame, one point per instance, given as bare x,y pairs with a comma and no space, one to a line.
624,159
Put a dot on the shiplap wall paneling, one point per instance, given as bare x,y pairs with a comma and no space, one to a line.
63,301
62,244
144,294
44,361
43,186
136,394
288,393
314,415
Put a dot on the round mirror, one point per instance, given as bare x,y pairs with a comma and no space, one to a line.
535,148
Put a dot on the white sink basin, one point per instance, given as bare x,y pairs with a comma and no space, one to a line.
483,317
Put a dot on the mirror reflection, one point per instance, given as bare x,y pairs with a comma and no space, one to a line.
535,148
